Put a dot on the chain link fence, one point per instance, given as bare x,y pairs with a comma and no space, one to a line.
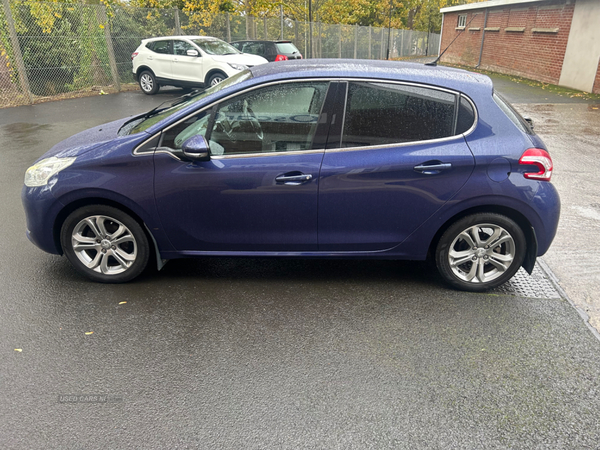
61,49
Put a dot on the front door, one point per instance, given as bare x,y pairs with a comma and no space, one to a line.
187,68
258,192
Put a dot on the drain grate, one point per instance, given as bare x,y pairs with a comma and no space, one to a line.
536,285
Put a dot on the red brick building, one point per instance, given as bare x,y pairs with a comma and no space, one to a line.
554,41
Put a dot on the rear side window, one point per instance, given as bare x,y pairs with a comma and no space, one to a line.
513,115
381,113
159,47
255,48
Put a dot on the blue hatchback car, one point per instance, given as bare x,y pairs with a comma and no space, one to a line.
312,158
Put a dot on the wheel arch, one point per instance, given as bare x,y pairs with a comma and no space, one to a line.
211,72
519,218
79,203
143,69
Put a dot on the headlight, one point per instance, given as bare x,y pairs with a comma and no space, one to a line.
40,173
238,66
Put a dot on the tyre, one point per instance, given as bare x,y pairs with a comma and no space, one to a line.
148,83
105,244
216,78
480,252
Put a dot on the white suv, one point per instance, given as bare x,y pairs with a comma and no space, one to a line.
187,61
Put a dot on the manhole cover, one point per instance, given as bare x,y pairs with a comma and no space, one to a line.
536,285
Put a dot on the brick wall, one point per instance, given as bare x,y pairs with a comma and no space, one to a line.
528,40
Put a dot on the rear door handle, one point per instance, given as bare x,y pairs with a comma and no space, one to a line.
432,169
293,180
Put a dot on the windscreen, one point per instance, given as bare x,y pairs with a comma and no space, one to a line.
216,47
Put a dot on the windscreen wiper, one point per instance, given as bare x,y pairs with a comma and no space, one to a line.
177,101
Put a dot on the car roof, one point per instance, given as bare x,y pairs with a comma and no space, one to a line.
449,77
284,41
206,38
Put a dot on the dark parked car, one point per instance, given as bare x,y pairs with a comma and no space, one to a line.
270,50
345,159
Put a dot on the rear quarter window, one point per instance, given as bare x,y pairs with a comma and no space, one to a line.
512,114
466,116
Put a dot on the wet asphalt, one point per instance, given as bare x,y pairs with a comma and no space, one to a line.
259,353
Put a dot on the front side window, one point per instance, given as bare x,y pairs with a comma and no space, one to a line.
181,47
278,118
382,113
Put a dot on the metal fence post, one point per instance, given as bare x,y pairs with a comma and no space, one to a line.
281,15
228,27
340,43
265,28
381,46
177,23
370,31
296,33
109,47
355,40
319,42
402,44
14,39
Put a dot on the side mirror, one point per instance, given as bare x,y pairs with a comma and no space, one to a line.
196,149
192,53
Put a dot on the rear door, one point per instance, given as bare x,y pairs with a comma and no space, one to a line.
393,161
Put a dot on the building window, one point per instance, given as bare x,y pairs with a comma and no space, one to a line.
462,21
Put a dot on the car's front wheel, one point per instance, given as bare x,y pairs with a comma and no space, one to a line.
148,83
105,244
480,251
216,78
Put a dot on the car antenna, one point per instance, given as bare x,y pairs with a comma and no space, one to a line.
434,63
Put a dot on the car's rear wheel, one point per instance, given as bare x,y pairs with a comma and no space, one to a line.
105,244
480,251
216,78
148,83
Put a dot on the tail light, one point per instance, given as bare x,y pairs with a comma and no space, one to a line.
133,55
281,58
541,160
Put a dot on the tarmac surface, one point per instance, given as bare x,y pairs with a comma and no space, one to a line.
258,353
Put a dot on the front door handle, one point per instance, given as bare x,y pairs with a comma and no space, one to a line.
293,179
432,169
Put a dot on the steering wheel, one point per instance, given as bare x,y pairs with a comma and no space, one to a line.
251,117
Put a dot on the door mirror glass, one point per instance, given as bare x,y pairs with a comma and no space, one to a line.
192,52
196,148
